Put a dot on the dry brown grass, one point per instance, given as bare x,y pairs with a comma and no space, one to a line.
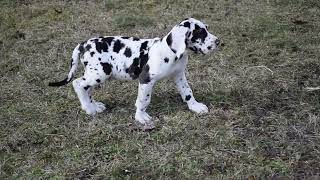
261,124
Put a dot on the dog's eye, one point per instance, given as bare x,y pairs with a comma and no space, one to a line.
197,31
201,31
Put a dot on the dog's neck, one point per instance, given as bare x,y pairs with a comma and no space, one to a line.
176,40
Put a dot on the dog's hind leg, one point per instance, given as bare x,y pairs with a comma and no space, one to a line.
84,92
84,86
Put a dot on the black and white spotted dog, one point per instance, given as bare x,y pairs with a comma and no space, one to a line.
148,60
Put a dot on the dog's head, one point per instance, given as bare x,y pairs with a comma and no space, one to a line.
198,38
192,34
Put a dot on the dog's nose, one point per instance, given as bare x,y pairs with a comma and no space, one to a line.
217,42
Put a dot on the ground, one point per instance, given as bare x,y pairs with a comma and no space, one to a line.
263,122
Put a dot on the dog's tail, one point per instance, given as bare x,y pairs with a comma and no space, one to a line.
73,68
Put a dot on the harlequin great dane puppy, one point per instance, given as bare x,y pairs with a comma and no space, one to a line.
148,60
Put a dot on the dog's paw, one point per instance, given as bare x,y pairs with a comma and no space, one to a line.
90,110
142,117
99,106
144,121
94,108
198,108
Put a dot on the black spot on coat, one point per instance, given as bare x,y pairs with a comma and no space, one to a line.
81,48
85,63
144,46
188,97
107,68
88,47
101,46
199,33
118,45
92,53
98,80
186,24
169,40
128,52
86,87
166,60
144,57
134,70
135,39
71,63
144,77
108,40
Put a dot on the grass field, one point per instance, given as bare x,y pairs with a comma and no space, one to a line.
262,124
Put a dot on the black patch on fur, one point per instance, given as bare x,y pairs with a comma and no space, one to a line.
136,39
180,56
169,40
144,57
84,79
92,53
134,70
81,48
144,46
98,80
108,40
85,63
118,45
188,34
186,24
101,46
128,52
107,68
99,59
88,47
71,63
176,58
199,33
166,60
188,97
144,77
86,87
187,38
125,37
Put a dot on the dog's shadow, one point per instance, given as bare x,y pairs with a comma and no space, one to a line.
164,102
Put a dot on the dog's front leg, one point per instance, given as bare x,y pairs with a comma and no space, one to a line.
142,102
187,95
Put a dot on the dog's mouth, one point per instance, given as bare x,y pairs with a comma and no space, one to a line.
202,52
196,50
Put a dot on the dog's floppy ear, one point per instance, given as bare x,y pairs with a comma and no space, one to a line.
177,40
